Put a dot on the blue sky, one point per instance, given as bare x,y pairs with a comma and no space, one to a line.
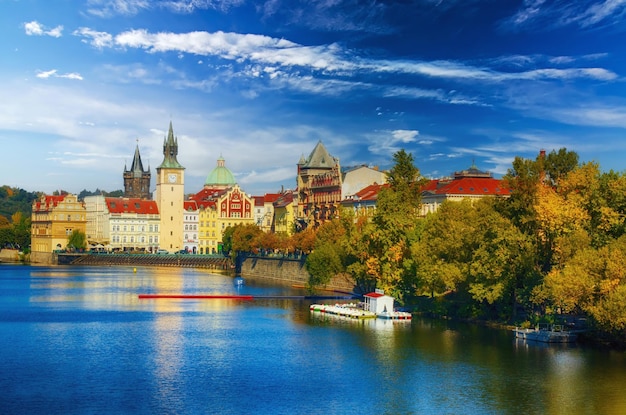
261,82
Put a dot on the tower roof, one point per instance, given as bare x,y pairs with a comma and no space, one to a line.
137,166
320,158
220,176
170,151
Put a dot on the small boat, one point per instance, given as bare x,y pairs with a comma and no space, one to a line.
546,333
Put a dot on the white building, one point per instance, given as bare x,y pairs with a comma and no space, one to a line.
358,178
378,302
97,231
191,226
134,224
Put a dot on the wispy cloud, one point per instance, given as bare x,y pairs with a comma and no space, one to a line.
330,58
583,13
35,28
53,74
110,8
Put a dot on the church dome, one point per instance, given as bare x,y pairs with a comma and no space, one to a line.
220,176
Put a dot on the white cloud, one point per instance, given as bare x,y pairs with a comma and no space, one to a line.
53,73
35,28
110,8
94,38
584,13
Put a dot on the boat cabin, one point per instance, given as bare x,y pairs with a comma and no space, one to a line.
378,302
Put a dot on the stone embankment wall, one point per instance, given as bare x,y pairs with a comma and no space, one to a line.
182,261
288,270
9,255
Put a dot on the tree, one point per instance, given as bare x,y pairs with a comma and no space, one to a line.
77,240
559,164
386,243
245,238
328,257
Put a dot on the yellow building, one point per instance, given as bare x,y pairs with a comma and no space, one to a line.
221,204
53,220
170,195
285,208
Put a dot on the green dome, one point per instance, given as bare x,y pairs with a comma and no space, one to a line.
220,176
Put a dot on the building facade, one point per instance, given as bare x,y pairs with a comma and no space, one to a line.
134,224
98,230
53,220
466,184
170,195
191,224
319,187
358,178
285,207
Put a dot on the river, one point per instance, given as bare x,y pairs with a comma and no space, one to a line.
78,340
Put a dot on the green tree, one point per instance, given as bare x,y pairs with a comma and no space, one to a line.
77,240
387,241
329,254
559,164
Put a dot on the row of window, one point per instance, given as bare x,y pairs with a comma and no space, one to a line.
116,239
141,228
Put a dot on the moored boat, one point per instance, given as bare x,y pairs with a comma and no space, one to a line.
546,333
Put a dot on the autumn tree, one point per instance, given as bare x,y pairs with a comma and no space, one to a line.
387,241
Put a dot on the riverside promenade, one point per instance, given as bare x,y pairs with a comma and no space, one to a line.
214,262
280,269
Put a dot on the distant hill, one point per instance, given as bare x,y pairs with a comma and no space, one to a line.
16,200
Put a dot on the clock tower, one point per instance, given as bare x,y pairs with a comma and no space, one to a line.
170,195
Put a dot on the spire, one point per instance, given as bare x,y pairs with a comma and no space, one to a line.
170,150
137,165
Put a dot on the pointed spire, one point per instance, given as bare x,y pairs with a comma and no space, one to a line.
137,165
170,150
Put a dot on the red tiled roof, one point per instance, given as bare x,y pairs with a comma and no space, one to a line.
190,205
370,192
131,205
50,201
285,199
208,194
466,186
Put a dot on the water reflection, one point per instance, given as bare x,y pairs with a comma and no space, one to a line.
79,340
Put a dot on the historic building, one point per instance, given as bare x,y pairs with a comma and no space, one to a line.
264,211
53,220
319,187
466,184
170,195
221,204
191,223
285,207
358,178
134,224
137,180
97,230
363,202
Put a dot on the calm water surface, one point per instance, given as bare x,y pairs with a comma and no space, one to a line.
78,340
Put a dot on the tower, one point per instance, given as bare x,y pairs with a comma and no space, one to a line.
137,180
170,195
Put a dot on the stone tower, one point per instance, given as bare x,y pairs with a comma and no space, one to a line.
137,180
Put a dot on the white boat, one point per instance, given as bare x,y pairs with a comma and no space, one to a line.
546,333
